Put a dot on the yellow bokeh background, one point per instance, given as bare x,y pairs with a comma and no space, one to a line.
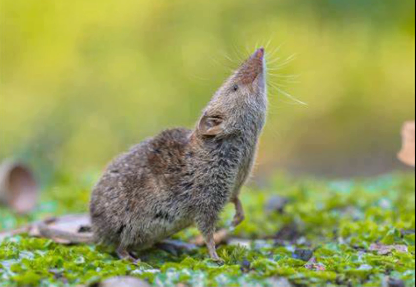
81,81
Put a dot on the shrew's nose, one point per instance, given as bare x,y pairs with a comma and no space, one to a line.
252,68
259,54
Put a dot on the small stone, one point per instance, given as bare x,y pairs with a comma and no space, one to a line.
395,283
303,254
279,282
245,266
122,282
382,249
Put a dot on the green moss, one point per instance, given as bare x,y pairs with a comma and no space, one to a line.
337,220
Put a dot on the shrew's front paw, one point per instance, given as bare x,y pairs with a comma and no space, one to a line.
239,212
238,219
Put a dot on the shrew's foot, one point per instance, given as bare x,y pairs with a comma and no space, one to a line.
124,254
238,219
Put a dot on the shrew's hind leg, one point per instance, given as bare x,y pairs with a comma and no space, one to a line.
205,222
124,254
239,212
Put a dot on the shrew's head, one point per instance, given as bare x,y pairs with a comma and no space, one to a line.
240,104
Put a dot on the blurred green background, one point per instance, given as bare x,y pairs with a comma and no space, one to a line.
82,81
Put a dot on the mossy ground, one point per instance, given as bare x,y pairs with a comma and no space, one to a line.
337,220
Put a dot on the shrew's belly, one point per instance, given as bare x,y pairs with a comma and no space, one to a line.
161,229
244,171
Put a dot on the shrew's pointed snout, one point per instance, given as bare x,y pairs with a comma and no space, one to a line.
252,68
259,54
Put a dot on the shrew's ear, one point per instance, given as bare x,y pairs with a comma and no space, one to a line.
210,126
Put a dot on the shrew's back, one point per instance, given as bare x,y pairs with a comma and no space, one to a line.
130,204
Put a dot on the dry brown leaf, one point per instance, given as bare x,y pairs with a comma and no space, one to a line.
18,187
407,154
382,249
10,233
30,229
314,265
220,237
51,228
66,229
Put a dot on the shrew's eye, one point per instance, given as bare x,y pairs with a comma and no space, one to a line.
235,88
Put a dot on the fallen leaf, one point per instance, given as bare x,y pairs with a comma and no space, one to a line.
314,265
382,249
18,187
220,237
10,233
30,229
66,229
407,154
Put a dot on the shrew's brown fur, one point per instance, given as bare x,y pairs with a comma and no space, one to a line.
184,177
